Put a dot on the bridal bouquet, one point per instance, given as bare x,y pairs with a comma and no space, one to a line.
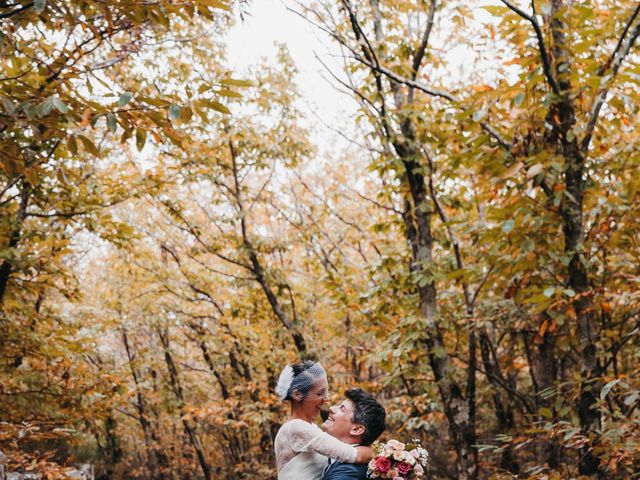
398,461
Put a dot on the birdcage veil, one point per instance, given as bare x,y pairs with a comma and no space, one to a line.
300,376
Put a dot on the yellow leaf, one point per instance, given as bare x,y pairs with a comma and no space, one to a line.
535,170
89,146
512,170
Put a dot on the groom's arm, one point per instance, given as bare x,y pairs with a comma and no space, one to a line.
346,471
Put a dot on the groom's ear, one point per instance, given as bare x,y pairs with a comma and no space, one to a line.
357,430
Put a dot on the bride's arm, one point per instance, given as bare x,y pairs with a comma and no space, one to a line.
306,437
364,454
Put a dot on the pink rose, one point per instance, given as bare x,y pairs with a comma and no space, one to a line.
383,464
404,468
395,445
399,455
419,470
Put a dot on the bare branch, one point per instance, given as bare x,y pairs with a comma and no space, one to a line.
406,81
621,51
621,41
544,54
16,11
417,59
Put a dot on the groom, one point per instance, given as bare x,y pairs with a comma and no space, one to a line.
358,420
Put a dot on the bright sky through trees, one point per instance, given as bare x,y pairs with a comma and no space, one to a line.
272,22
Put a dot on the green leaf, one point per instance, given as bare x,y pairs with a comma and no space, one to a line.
174,112
39,5
631,398
545,8
607,388
507,226
519,98
112,123
31,111
439,352
44,108
8,105
125,98
570,434
478,115
59,105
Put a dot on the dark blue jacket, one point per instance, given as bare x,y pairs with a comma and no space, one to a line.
346,471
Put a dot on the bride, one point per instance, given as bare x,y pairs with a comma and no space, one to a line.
302,449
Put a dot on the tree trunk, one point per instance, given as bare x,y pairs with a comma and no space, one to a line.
573,229
190,429
545,369
236,441
114,450
14,237
460,411
457,409
158,462
503,407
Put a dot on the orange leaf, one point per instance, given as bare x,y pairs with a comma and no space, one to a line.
86,118
543,328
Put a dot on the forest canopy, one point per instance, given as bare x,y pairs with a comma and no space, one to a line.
174,231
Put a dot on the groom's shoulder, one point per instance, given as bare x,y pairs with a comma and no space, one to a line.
346,471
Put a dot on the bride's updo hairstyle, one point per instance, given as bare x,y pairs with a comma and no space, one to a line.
299,376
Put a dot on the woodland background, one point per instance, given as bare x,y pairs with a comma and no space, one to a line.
171,235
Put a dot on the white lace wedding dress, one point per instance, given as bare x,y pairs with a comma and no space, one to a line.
302,451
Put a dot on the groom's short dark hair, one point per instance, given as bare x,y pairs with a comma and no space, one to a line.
368,413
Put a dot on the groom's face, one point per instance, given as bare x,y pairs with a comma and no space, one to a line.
340,422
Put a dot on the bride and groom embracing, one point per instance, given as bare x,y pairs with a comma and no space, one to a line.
339,449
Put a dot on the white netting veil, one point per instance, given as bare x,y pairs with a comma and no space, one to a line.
284,382
299,376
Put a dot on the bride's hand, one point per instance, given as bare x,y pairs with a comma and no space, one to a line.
364,454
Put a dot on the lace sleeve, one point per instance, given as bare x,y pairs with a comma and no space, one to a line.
307,437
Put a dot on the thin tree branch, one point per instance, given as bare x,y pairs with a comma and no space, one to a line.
621,51
16,11
417,58
544,54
